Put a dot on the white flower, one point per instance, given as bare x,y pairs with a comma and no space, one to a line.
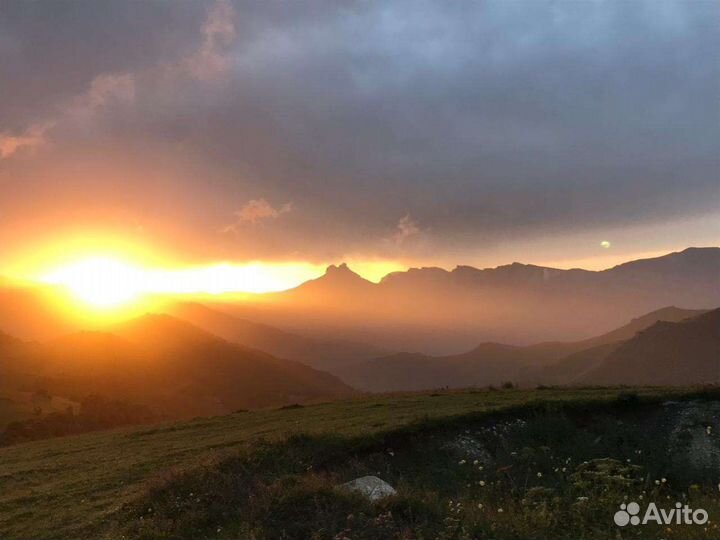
657,482
482,483
708,430
664,480
480,506
539,475
462,462
500,510
582,498
476,462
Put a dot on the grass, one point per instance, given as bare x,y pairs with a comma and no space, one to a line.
101,484
17,405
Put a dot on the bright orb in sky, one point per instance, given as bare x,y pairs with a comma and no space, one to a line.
605,244
102,282
107,281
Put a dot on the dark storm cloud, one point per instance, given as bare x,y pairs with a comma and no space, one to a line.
472,121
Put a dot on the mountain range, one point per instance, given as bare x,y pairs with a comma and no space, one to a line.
494,363
443,312
339,333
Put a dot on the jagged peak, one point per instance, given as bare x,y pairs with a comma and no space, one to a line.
337,275
341,268
341,272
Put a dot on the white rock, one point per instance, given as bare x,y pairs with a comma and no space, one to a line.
371,487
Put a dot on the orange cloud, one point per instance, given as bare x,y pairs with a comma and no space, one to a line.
110,87
30,139
406,228
257,210
107,89
211,60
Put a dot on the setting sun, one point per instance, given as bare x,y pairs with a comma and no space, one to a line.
106,275
107,282
99,281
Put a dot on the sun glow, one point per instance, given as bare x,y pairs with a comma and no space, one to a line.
105,276
107,282
101,282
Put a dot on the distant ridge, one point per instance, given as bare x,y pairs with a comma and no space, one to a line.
438,311
321,354
495,363
666,353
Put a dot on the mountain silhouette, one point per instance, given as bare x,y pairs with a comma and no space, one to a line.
321,354
174,367
336,285
494,363
666,353
441,312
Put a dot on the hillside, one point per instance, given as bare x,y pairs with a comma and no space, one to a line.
494,363
683,352
98,485
172,366
324,355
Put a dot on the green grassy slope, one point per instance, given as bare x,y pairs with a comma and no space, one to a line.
72,487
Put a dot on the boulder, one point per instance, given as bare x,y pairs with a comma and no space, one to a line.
694,435
371,487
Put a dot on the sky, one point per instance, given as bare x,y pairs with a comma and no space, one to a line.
571,133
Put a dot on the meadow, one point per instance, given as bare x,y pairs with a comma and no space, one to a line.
544,463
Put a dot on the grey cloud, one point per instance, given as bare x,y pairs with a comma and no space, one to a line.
484,121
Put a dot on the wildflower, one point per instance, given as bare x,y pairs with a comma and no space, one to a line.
462,462
482,483
564,469
480,506
476,462
480,468
539,475
708,430
500,510
657,482
582,499
664,480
